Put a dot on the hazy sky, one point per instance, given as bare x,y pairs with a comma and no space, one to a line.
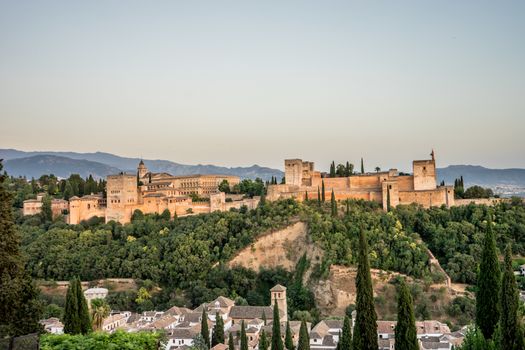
244,82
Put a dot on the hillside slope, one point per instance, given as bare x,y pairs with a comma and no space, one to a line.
333,294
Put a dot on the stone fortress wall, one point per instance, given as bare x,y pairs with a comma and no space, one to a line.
303,181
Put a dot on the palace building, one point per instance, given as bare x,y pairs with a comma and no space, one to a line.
303,181
151,193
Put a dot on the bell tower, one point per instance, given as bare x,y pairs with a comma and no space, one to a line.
142,170
278,295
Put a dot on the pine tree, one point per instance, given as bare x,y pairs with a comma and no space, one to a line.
217,336
487,296
288,340
509,304
205,332
345,340
362,166
365,329
405,332
304,339
244,339
263,341
19,306
333,204
277,342
231,345
71,319
83,310
322,192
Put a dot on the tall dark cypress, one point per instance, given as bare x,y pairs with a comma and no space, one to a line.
71,319
332,169
205,331
83,311
288,340
333,204
388,205
304,338
509,304
365,329
345,340
318,196
405,332
322,192
488,291
362,166
231,345
277,342
244,339
217,336
19,306
306,196
263,341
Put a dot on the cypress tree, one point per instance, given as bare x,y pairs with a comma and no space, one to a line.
306,196
365,329
405,332
318,196
19,306
348,169
333,204
362,166
332,169
218,331
322,192
345,340
487,296
231,345
263,342
509,304
264,317
244,339
347,206
304,339
83,310
288,340
388,205
46,213
71,319
205,332
277,342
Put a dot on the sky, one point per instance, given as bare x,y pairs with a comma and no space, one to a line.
237,83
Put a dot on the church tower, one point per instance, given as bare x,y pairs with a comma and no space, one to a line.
142,170
278,294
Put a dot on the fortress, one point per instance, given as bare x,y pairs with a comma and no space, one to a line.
150,193
303,181
193,194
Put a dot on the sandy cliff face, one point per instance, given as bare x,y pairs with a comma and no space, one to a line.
279,248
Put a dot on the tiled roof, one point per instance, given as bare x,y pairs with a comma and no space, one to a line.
251,312
278,288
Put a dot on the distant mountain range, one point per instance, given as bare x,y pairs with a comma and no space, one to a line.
99,164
